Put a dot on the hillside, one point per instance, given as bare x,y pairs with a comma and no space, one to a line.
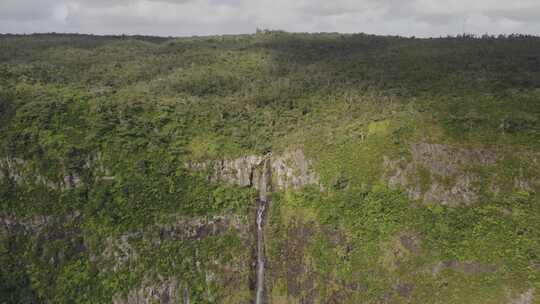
346,168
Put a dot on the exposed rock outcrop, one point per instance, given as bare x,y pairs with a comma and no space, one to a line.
23,171
439,173
524,298
412,242
179,228
35,224
165,292
11,168
188,228
32,225
157,289
448,183
465,267
290,170
293,170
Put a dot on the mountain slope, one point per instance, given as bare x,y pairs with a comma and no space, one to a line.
402,170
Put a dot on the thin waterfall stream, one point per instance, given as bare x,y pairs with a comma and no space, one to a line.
186,295
261,214
260,252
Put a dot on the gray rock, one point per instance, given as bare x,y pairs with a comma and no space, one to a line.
450,182
163,292
23,171
120,251
465,267
524,298
290,170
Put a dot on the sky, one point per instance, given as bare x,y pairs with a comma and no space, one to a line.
421,18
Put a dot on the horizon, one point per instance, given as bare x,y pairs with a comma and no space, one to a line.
186,18
263,31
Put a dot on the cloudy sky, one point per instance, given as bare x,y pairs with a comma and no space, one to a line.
202,17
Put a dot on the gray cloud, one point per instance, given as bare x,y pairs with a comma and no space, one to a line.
202,17
26,10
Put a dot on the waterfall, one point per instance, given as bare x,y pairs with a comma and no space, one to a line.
260,252
186,295
265,179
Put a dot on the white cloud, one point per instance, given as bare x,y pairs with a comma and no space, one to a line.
189,17
26,10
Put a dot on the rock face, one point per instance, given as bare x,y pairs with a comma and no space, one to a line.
178,228
411,242
11,168
290,170
192,228
34,225
465,267
166,292
23,171
524,298
442,164
439,173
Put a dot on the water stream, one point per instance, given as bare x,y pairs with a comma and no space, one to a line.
186,295
260,252
261,213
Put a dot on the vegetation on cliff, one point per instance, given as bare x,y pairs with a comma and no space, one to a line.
96,132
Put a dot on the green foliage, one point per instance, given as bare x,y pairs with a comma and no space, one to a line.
369,254
125,114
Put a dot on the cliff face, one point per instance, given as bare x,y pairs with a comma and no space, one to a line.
63,177
456,176
293,235
290,170
268,173
156,287
433,174
166,292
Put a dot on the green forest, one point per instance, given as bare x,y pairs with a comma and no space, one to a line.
426,152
